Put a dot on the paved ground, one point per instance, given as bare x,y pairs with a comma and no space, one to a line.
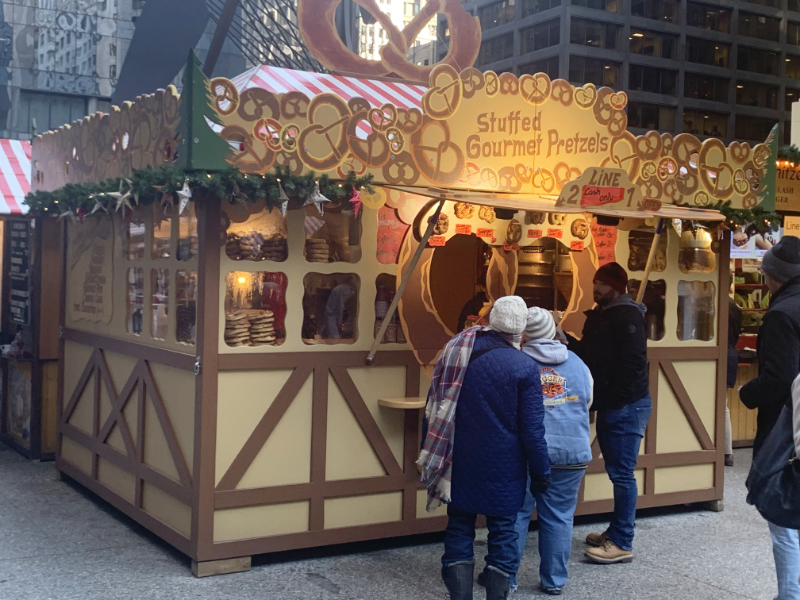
58,542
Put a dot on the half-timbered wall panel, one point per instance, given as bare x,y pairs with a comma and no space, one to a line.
260,521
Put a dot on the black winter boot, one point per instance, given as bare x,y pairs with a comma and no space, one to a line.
458,580
496,585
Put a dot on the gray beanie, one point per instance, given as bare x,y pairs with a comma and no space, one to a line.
540,325
509,315
782,261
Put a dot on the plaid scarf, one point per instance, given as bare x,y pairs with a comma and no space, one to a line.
436,457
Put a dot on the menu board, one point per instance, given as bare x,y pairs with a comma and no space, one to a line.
20,306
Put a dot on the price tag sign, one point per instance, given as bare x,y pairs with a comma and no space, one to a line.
436,240
507,247
552,232
464,228
576,245
485,232
534,234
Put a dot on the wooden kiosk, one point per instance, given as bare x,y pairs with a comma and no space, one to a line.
214,382
31,255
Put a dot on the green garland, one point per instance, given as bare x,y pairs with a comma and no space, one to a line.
790,153
149,186
756,219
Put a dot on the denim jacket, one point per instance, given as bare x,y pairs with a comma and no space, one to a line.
567,391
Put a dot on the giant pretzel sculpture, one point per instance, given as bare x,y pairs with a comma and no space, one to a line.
315,19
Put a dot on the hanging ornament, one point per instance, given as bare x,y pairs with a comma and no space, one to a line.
317,199
355,201
284,200
240,196
184,195
167,200
130,188
81,212
98,206
678,226
68,214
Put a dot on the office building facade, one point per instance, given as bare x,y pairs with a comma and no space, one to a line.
726,69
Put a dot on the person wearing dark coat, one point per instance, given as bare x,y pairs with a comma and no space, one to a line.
498,441
778,348
614,347
734,331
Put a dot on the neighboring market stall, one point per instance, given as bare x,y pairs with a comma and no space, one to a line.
30,277
259,279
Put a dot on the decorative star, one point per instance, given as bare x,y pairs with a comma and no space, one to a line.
67,214
240,196
355,200
284,200
130,187
184,195
98,206
317,199
123,198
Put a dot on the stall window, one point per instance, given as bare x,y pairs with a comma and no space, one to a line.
185,306
655,299
187,238
255,308
135,300
330,308
261,237
696,310
159,284
695,255
639,243
332,237
162,232
384,294
134,237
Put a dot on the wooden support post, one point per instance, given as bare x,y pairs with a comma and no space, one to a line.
209,568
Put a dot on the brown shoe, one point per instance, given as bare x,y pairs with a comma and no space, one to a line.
597,539
609,553
729,460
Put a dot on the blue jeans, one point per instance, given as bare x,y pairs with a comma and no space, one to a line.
556,508
460,535
620,432
786,550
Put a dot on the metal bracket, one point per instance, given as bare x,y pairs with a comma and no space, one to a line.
197,365
60,332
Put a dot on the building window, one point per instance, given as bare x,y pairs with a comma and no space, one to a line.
700,122
757,61
749,93
495,49
540,36
753,128
794,5
661,10
770,3
651,116
707,52
792,66
759,26
704,87
708,17
531,7
496,14
650,43
544,65
650,79
613,6
594,70
790,98
793,33
50,111
594,33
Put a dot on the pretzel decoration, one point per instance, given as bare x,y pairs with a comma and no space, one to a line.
316,21
324,141
444,96
434,153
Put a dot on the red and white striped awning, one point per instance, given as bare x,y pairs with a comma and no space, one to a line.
15,176
376,92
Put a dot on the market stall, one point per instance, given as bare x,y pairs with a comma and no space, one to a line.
30,262
249,376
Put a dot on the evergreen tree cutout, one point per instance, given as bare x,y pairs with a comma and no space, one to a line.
199,147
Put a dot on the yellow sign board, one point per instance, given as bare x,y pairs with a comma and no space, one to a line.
791,226
787,190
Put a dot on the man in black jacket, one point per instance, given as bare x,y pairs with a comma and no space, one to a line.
778,365
614,347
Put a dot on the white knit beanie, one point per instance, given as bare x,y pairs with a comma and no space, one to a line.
540,325
509,315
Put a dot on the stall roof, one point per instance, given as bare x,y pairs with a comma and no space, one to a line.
376,91
548,204
15,176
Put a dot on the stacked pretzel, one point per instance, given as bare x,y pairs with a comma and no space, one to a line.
256,246
246,329
317,250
